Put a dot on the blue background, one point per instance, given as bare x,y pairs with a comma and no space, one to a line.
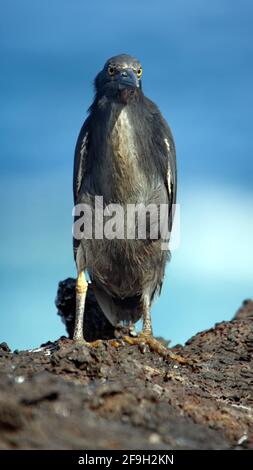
197,62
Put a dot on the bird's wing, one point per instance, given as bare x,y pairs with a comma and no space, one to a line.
171,177
81,152
165,154
169,167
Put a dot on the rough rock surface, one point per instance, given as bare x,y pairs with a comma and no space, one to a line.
121,396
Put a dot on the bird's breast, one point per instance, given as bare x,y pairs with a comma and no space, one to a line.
127,175
123,140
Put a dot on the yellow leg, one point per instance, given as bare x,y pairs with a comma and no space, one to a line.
81,290
147,321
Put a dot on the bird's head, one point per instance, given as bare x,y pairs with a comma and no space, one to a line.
120,78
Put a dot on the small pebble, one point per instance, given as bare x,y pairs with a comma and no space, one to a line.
242,439
19,379
47,352
133,332
154,438
143,347
61,410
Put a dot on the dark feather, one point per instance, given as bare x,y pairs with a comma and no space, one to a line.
124,269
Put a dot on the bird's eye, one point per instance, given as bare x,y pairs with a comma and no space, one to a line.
111,70
139,72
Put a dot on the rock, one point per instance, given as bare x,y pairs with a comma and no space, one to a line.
4,347
96,324
245,311
115,396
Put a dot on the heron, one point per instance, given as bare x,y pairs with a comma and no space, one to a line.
125,155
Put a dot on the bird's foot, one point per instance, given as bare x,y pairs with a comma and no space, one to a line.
154,345
95,344
83,342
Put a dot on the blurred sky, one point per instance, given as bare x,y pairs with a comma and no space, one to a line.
198,67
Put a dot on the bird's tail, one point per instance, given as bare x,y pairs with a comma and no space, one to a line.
119,310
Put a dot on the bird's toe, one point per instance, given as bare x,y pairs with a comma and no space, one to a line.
83,342
155,346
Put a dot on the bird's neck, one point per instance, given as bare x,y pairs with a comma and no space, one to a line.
120,150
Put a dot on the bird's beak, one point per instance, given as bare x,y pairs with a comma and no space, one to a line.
127,78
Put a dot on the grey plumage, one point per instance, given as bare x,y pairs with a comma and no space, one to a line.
125,152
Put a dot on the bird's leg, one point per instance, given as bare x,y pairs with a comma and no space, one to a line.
146,336
81,290
147,322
